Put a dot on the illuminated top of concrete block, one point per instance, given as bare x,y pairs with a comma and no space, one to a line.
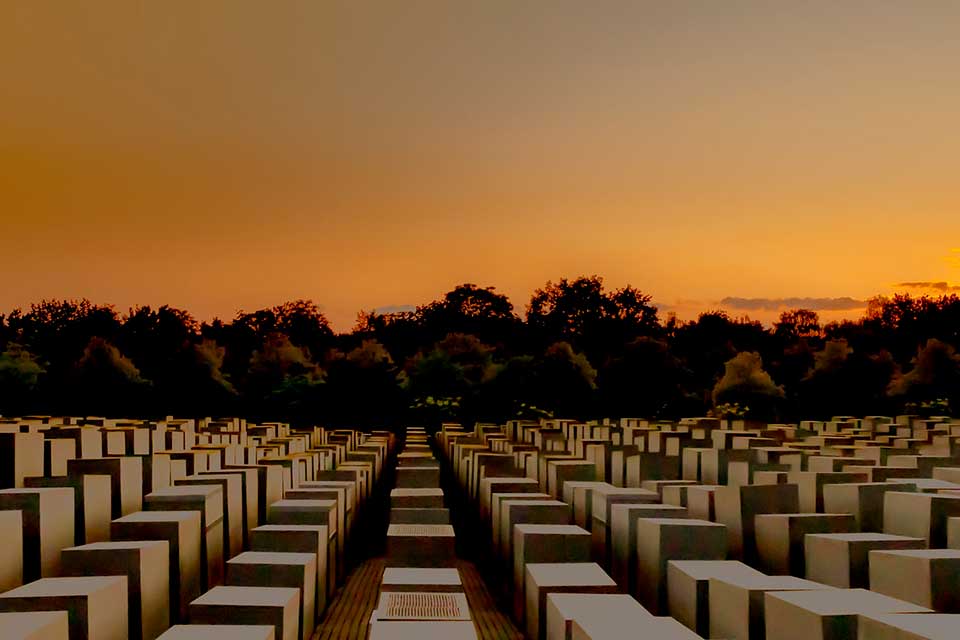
838,602
416,492
248,596
933,626
271,557
25,624
54,587
569,574
413,576
219,632
462,630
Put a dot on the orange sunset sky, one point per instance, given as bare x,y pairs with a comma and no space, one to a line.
219,155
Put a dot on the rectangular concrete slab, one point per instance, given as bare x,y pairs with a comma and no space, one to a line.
597,628
126,480
604,496
841,559
219,632
823,615
780,538
496,511
428,545
48,526
688,588
908,626
514,512
490,486
926,577
701,502
181,530
660,540
920,515
95,606
579,495
300,538
35,625
251,497
443,630
419,516
737,507
572,577
863,499
234,519
11,553
564,608
417,497
208,500
435,580
623,538
276,606
737,603
279,569
542,543
146,565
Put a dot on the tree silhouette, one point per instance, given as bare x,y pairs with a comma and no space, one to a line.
935,375
582,313
581,352
644,380
745,383
798,323
106,382
843,381
362,387
19,374
469,309
568,309
565,382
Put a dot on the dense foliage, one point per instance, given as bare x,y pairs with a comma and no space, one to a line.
580,351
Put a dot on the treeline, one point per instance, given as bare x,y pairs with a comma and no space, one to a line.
579,351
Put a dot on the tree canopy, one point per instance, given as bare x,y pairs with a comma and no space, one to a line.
580,351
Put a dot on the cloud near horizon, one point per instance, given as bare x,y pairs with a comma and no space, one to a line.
937,286
394,308
844,303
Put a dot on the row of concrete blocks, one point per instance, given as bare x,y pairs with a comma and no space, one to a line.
728,599
166,450
816,492
778,532
159,560
421,592
107,488
916,516
738,602
277,592
628,456
541,555
420,534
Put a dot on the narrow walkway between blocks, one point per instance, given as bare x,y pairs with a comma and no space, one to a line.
490,621
348,616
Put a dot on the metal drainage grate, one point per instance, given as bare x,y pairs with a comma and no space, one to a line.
420,530
423,606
